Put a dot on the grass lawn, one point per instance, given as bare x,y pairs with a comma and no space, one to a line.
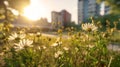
116,37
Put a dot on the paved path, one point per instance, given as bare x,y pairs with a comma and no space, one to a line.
53,35
110,47
114,47
49,35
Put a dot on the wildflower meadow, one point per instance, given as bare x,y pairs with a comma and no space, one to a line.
84,48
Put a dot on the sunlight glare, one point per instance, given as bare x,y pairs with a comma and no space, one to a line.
34,11
15,12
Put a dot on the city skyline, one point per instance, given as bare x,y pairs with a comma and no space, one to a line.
86,9
44,8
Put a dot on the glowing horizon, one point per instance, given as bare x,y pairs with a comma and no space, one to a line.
34,11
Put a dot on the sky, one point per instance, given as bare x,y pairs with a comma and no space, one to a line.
43,8
46,6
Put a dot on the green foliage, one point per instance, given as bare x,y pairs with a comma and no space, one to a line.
6,7
110,20
86,48
6,15
114,5
116,60
15,4
24,58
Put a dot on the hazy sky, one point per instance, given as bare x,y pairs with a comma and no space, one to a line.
47,6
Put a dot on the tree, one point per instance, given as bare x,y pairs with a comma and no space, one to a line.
13,4
6,6
114,5
18,4
103,21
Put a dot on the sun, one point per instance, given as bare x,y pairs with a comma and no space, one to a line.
31,13
34,11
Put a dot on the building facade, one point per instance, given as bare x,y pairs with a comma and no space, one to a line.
60,19
80,11
66,17
56,19
86,9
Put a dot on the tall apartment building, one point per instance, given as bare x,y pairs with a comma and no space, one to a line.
56,19
86,9
61,18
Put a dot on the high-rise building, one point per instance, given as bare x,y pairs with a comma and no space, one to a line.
93,8
86,9
56,19
66,17
61,18
80,11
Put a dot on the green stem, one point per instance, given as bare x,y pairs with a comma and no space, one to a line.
110,61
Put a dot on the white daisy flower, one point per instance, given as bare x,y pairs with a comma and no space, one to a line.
44,47
31,34
15,36
57,54
58,42
23,43
2,53
55,44
21,36
38,34
65,48
89,27
39,48
90,46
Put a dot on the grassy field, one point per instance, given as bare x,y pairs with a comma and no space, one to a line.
116,37
84,48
